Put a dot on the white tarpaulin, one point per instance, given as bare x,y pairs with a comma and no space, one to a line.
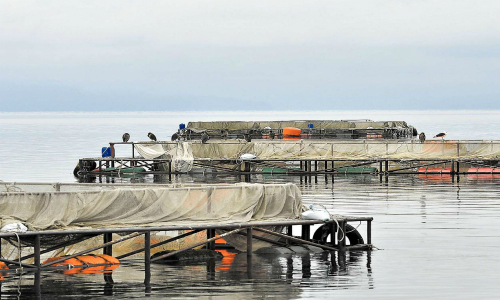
182,157
151,206
149,151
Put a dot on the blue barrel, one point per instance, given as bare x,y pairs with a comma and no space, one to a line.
182,126
106,151
310,125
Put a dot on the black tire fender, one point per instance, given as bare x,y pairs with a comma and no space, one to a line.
352,234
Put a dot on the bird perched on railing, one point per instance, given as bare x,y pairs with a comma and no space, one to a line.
174,137
441,135
152,136
125,137
421,137
204,137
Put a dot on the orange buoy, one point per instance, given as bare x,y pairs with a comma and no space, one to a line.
435,170
483,170
373,135
3,266
291,133
87,264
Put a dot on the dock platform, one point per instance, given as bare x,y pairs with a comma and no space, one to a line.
311,158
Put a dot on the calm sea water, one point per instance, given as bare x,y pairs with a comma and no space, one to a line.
437,238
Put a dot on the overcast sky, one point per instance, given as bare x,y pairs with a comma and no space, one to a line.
225,55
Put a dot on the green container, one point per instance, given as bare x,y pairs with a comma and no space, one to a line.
278,170
126,170
356,170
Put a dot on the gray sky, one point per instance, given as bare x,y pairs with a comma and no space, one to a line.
226,55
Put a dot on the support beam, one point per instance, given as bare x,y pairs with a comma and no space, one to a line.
159,243
13,262
93,249
296,239
196,245
260,238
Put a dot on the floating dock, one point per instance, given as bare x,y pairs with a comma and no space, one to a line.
247,216
307,129
304,158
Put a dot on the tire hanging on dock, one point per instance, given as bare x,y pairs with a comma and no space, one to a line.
354,237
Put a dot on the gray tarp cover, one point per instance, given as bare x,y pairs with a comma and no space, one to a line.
301,124
151,206
362,149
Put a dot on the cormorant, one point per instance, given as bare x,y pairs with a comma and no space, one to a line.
421,137
152,136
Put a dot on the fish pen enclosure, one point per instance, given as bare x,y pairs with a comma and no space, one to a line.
66,227
308,129
300,157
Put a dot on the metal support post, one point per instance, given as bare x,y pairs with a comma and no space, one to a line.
169,165
108,250
147,258
289,233
369,232
210,234
37,251
306,233
341,236
333,230
249,241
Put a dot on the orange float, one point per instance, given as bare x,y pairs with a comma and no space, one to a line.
3,266
291,133
87,264
227,260
435,170
484,170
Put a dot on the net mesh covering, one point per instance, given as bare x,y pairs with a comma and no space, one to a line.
320,149
150,206
301,124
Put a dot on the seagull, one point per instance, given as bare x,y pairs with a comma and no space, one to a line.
152,136
441,135
204,137
125,137
421,137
